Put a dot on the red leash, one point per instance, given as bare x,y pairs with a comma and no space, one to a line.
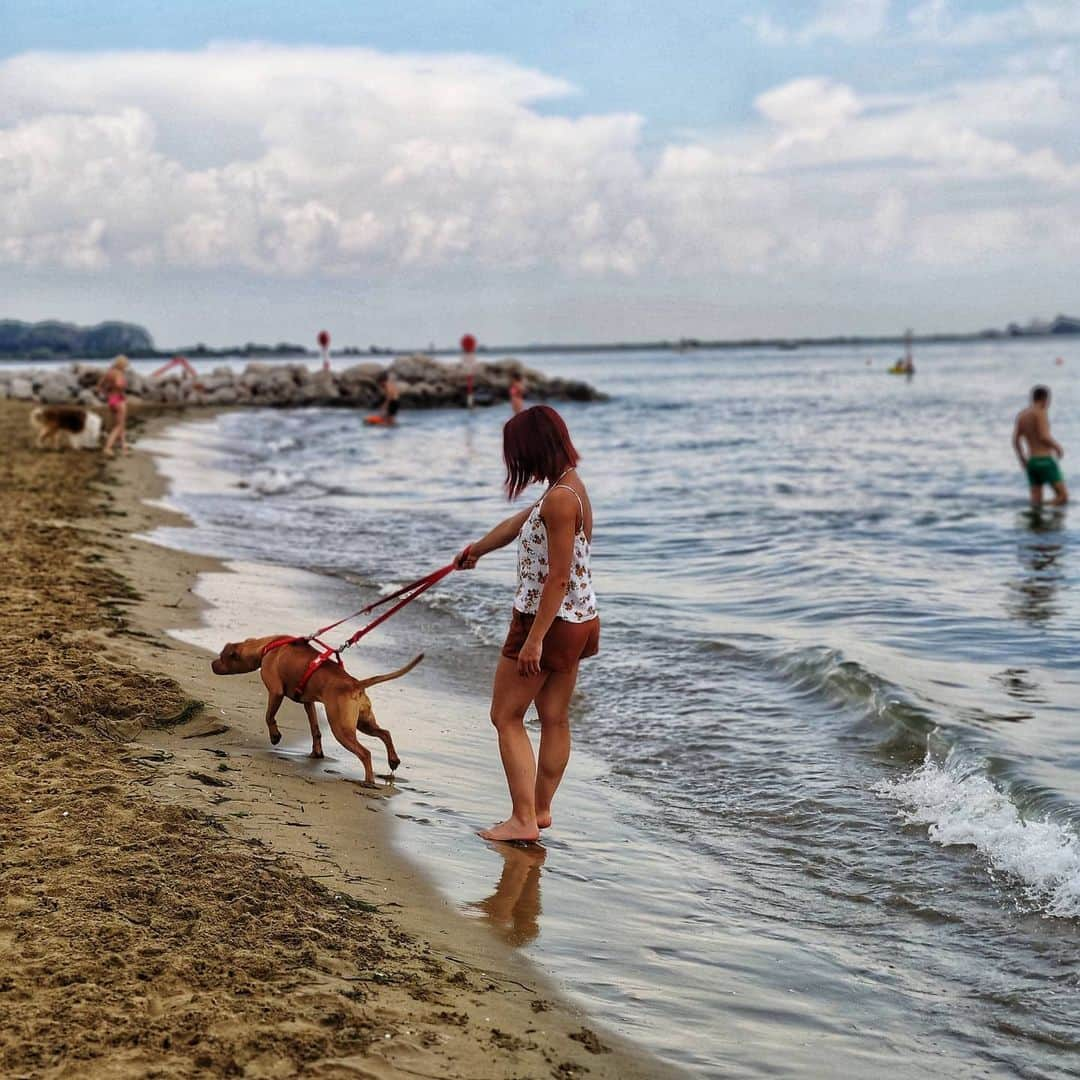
407,593
420,584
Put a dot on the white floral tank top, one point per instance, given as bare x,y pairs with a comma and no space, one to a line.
579,604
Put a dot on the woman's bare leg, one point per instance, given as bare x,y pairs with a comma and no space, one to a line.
118,430
553,705
114,434
511,696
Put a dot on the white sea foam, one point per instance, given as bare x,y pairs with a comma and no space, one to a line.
278,446
965,807
278,482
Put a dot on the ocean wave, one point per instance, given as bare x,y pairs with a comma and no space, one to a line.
962,807
283,482
822,672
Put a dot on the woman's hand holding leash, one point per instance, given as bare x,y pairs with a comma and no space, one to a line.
466,560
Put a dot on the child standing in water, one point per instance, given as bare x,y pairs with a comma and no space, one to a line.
113,384
554,622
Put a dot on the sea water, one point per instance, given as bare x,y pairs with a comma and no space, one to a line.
822,818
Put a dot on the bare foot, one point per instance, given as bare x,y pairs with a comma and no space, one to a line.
543,820
511,829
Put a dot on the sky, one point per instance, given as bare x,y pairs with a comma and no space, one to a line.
400,173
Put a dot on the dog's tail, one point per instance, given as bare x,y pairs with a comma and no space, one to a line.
365,683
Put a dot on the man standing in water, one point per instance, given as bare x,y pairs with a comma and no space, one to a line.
1040,461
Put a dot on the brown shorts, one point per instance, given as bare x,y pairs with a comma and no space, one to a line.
564,644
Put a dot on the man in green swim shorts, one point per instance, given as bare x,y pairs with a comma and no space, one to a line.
1040,459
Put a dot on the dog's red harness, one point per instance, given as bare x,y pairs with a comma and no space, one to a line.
407,594
328,653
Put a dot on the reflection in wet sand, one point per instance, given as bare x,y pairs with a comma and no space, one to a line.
513,909
1033,596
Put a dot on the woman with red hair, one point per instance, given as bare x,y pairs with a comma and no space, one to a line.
554,623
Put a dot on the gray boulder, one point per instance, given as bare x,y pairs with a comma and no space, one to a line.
21,388
361,372
86,375
361,394
223,395
417,368
139,384
217,380
58,389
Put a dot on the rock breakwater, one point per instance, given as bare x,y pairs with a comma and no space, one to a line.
425,383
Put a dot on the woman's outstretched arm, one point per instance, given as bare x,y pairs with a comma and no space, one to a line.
499,537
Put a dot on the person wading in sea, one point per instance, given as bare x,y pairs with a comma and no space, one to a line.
391,401
554,623
1040,459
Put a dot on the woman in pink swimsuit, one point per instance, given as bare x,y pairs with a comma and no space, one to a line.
554,624
114,384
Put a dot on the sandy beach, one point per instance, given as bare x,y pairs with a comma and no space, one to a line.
180,902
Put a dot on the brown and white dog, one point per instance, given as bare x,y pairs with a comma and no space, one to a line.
345,698
66,425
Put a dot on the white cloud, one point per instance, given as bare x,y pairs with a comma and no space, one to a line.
809,108
281,161
935,21
845,20
932,21
837,181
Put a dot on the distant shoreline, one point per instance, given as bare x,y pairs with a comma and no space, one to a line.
1061,326
783,344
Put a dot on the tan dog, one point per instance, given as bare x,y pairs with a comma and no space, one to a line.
345,698
66,425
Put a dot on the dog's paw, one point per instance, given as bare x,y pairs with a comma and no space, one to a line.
394,763
275,737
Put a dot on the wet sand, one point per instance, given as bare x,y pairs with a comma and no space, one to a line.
179,901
